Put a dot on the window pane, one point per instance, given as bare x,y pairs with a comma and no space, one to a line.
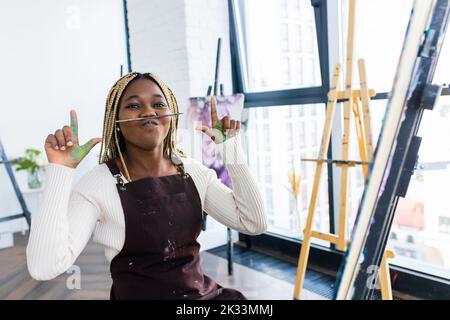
280,44
379,34
284,138
442,75
420,234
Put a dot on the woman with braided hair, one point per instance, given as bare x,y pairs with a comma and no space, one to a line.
144,201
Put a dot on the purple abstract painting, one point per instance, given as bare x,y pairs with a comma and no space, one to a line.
199,111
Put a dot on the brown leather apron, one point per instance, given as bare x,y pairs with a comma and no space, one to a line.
160,257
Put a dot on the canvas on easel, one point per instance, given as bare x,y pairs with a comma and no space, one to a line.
199,112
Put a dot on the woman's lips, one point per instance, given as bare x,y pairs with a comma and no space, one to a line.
150,124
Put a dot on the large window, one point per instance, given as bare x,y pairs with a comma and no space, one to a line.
278,144
279,44
379,34
280,70
419,234
281,62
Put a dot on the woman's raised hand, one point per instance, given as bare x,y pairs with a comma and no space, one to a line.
63,147
222,129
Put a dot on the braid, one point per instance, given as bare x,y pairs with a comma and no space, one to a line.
113,144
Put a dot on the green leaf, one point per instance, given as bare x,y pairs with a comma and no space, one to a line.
28,162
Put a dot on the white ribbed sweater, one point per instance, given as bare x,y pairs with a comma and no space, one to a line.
68,217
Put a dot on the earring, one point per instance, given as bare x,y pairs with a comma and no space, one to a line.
118,129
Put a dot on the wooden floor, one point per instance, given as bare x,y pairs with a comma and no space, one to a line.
317,280
16,283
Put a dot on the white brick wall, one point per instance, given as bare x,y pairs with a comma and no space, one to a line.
207,20
177,40
158,41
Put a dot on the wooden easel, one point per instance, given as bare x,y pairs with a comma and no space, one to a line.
355,100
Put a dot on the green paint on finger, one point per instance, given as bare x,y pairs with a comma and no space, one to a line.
73,124
220,132
79,153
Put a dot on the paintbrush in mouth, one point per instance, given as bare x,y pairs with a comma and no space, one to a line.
150,117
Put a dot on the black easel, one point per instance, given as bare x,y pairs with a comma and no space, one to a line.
205,215
25,213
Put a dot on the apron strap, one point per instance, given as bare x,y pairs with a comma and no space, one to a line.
116,173
180,166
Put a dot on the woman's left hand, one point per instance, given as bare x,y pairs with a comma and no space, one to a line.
222,129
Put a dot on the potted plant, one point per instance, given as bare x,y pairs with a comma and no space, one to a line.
33,165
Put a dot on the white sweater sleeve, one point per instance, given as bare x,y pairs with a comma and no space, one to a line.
242,208
63,226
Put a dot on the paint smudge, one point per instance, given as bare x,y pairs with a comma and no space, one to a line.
169,250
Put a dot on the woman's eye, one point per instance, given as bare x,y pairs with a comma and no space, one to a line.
160,105
156,106
132,106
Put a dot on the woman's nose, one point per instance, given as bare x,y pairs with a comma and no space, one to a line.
149,111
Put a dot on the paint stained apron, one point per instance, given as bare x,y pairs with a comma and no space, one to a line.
160,257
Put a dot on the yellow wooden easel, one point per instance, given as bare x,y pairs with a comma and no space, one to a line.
356,102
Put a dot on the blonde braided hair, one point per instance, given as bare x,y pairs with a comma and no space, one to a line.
113,142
